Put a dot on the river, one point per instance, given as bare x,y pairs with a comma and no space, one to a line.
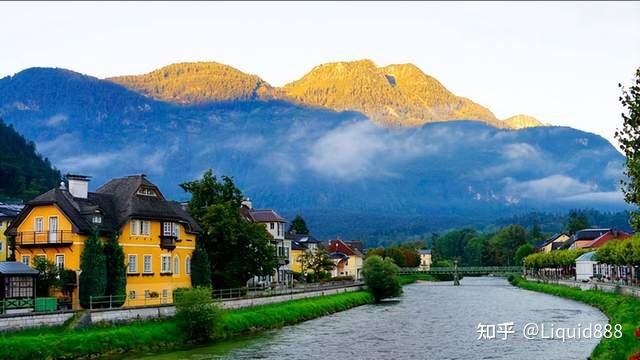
430,321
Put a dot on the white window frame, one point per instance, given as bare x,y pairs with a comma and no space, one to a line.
176,265
145,227
38,220
144,264
170,229
187,265
132,269
135,227
27,258
58,257
96,219
132,295
165,264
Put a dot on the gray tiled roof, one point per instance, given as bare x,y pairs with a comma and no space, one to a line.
117,201
16,268
265,215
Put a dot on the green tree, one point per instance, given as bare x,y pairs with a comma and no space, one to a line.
198,317
298,226
474,250
237,248
48,276
381,277
116,270
522,252
93,271
504,243
629,139
200,268
318,260
576,222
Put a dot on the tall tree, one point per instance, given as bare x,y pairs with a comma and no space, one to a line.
629,139
116,270
200,268
48,276
93,270
576,222
237,248
505,243
298,226
318,260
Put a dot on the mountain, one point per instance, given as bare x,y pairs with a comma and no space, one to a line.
23,173
394,95
343,173
195,83
521,121
391,95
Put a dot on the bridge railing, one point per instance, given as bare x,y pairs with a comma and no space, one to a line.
464,270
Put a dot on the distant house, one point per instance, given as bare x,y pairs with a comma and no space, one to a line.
300,244
7,214
611,235
585,265
274,223
157,235
425,259
18,283
555,242
348,261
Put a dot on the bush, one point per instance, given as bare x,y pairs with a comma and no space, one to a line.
381,277
198,317
342,278
93,275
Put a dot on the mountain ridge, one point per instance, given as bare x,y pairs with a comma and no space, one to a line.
392,95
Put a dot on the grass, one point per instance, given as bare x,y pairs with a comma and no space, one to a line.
620,309
46,343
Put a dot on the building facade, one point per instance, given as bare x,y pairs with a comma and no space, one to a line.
348,260
274,224
157,235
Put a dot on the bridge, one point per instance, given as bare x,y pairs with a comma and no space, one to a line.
464,270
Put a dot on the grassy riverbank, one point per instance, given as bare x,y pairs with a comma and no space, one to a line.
163,334
620,309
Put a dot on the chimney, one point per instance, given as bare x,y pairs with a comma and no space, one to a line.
247,203
78,185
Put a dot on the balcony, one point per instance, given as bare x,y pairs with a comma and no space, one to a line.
44,239
168,242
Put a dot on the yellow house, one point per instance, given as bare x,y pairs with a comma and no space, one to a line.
554,242
348,259
7,214
300,245
158,236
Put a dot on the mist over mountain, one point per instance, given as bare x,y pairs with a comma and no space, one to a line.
346,174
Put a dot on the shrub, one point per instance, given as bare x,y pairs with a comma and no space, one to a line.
200,268
381,277
116,270
198,317
342,278
93,275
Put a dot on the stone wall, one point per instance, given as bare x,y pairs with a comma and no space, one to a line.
22,321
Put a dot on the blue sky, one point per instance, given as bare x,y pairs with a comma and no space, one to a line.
559,62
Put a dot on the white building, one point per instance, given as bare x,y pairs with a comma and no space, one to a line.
585,264
274,223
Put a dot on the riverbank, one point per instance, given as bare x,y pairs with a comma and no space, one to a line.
56,343
620,309
412,278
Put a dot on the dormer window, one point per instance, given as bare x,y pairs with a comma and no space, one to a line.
96,219
170,229
145,191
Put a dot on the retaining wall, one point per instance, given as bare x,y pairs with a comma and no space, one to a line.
606,287
22,321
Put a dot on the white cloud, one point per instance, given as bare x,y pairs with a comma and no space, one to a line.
56,120
85,162
551,187
597,197
361,149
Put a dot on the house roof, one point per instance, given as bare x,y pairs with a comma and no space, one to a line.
355,244
553,238
298,245
303,238
590,256
584,235
116,201
424,252
605,238
264,216
9,211
338,247
16,268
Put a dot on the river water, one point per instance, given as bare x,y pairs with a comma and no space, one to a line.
430,321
